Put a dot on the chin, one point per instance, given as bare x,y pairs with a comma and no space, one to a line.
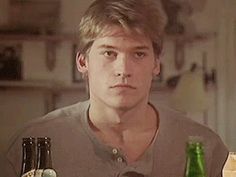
123,105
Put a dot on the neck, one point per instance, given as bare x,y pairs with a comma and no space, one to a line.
107,119
131,130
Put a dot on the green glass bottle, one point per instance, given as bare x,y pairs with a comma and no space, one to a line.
195,165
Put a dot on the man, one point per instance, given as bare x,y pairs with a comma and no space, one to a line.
117,132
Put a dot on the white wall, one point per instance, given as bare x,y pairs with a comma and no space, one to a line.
34,56
226,63
71,12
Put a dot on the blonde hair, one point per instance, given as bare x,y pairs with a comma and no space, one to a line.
140,16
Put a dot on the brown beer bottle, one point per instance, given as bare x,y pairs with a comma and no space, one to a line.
28,157
44,159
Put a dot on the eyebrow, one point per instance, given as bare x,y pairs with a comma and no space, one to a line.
144,47
106,46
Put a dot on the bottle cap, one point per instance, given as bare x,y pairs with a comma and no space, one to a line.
28,141
195,139
42,141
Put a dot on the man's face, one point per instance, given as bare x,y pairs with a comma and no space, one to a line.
120,69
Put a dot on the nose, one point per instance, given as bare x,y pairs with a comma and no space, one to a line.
123,67
123,75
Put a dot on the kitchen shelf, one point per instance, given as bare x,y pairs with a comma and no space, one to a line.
40,37
42,85
189,38
58,86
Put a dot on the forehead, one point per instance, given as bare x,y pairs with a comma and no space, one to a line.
116,34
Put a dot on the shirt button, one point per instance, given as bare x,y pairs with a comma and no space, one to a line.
119,159
114,151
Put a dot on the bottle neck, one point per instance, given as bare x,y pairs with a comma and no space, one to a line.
44,160
28,158
195,166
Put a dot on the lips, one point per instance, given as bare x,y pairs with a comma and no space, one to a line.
123,86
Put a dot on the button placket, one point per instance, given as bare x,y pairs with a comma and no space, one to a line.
119,159
114,151
117,156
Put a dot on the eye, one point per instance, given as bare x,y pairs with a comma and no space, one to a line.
140,55
110,54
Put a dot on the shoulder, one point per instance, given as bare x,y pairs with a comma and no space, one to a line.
176,127
60,119
62,126
177,122
72,110
55,119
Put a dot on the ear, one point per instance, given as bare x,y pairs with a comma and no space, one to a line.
157,68
81,63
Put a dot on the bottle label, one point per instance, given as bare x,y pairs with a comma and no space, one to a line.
38,173
29,174
49,173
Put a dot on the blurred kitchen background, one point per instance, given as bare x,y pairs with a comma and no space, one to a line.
38,73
